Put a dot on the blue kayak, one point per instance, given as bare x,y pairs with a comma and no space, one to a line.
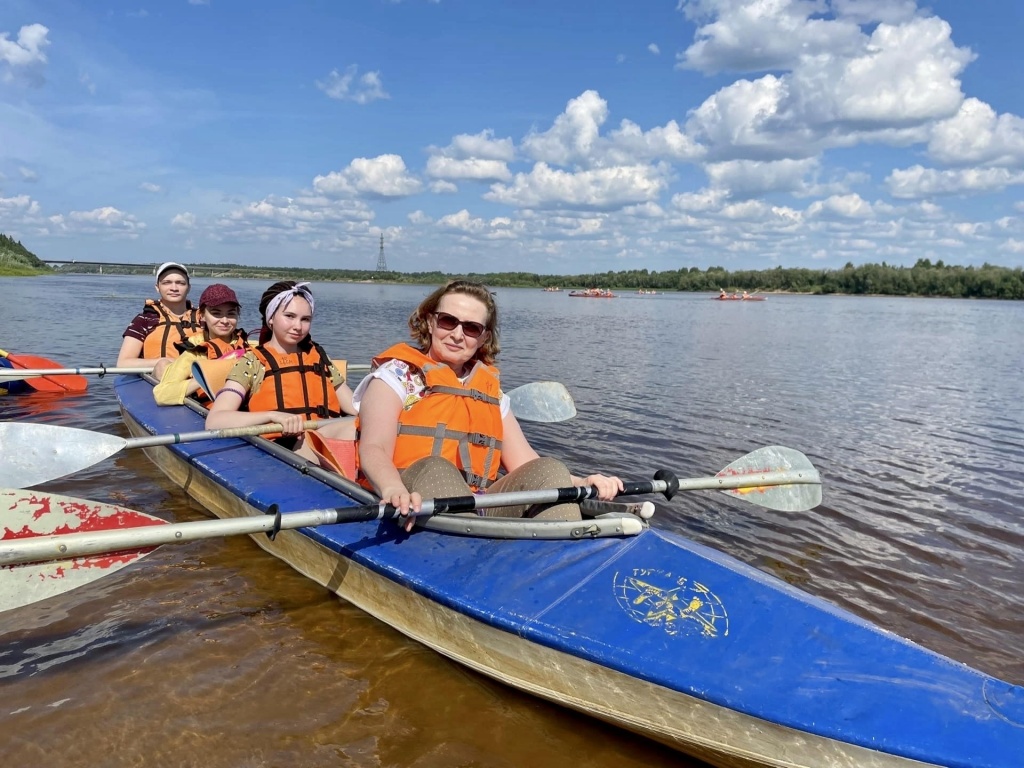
652,632
15,387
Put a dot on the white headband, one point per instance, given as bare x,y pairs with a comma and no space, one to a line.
284,298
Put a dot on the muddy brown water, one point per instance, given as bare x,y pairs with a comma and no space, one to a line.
215,654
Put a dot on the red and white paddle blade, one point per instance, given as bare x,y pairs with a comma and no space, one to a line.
25,514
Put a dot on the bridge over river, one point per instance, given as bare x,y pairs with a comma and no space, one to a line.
121,268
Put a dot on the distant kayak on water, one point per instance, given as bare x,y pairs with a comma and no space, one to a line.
737,297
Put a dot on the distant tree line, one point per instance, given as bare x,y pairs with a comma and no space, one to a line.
922,279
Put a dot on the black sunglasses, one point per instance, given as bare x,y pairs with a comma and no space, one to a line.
448,322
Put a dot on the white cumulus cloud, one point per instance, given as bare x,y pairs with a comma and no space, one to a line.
838,85
918,181
498,228
476,157
977,135
575,139
850,206
351,86
746,178
384,176
28,49
599,188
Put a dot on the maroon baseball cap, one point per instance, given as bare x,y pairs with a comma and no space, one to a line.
218,294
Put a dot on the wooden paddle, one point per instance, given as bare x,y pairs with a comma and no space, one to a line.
38,453
36,562
45,382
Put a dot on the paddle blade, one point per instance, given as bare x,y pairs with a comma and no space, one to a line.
38,453
26,514
543,401
57,384
212,373
796,497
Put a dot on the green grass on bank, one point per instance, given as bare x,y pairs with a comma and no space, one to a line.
18,261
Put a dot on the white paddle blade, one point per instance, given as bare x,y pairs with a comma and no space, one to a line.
802,495
543,401
27,514
37,453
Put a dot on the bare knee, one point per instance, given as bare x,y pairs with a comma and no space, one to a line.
340,429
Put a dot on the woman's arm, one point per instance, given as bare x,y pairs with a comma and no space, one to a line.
515,448
130,355
379,410
226,413
345,398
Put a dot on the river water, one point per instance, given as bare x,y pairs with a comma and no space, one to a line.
216,654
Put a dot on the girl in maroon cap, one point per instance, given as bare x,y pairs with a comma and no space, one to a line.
221,338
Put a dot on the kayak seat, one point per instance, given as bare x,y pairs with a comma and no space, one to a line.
334,454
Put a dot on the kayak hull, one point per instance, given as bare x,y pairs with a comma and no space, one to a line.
654,633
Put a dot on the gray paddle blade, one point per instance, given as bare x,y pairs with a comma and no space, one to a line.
543,401
37,453
803,494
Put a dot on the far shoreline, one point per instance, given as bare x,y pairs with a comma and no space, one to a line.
274,273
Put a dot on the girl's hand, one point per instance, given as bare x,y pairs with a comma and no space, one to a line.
291,423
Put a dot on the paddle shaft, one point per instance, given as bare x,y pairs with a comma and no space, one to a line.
28,373
70,545
15,374
213,434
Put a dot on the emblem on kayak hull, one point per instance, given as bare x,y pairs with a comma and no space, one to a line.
676,604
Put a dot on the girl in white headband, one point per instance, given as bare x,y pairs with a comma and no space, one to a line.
288,379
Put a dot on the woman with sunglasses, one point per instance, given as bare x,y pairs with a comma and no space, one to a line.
287,379
433,420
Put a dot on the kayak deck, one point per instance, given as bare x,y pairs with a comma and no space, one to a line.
655,633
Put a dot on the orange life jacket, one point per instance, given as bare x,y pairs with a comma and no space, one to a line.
170,330
458,421
214,348
299,383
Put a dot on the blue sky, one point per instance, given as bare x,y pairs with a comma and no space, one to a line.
478,135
